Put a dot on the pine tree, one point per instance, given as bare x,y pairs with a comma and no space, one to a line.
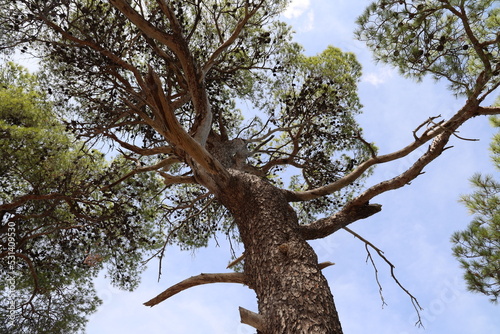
162,80
478,246
58,226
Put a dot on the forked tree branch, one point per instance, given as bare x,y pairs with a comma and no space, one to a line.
195,281
358,208
176,134
237,31
144,25
178,45
438,132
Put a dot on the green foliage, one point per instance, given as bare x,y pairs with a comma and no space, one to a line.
478,247
94,57
59,227
307,105
456,40
316,100
141,74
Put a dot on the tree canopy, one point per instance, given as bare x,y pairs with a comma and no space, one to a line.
213,98
307,106
63,225
478,246
454,40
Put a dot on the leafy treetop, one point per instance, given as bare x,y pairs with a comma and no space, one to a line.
64,225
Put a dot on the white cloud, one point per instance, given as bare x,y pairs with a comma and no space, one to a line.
309,24
379,77
296,8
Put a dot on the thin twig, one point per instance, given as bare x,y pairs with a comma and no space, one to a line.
414,300
369,257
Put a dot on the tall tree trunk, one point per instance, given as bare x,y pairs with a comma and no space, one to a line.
282,268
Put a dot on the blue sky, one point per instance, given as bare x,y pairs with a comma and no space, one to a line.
413,228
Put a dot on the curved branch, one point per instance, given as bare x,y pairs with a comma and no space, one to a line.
435,149
440,132
358,208
162,164
195,281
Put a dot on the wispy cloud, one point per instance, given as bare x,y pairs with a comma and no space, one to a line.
379,77
309,24
296,8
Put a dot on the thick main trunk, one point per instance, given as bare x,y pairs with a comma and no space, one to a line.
293,295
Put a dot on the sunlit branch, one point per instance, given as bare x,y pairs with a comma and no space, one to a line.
195,281
192,75
440,132
174,131
178,45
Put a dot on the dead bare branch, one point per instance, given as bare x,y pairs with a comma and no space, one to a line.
426,122
380,253
324,265
239,27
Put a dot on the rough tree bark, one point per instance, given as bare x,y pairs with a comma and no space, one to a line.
281,267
